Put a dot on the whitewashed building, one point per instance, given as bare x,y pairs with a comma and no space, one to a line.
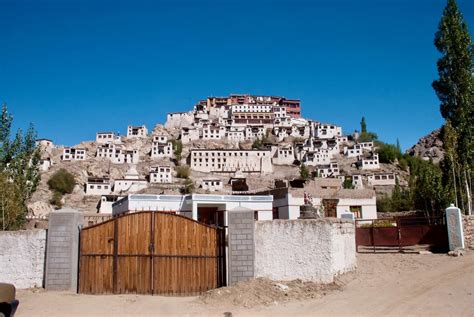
44,143
45,164
161,175
117,154
107,137
357,181
381,179
73,154
98,186
161,147
236,134
211,209
318,157
131,183
190,134
229,161
284,155
213,132
327,131
212,185
370,163
137,131
329,170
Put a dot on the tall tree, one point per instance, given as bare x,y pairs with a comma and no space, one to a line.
455,88
363,125
19,171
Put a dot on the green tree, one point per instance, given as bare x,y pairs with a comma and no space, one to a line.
455,89
304,172
183,171
347,184
399,148
363,126
19,160
388,153
177,149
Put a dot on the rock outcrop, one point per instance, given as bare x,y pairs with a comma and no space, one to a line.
429,147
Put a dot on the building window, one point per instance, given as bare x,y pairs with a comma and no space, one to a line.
357,211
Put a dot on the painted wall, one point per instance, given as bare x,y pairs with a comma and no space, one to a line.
369,207
22,256
310,250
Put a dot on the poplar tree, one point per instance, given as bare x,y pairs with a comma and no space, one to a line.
19,172
454,88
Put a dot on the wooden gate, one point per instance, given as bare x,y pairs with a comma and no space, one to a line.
151,253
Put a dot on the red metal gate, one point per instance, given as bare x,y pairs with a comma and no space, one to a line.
399,233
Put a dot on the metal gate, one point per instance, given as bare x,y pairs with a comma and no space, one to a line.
151,253
399,233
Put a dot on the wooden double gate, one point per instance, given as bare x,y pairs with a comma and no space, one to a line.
151,253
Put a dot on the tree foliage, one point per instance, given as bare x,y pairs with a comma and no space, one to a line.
62,182
19,171
366,136
304,172
177,149
455,89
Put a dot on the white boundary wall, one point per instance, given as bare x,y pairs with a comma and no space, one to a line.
22,256
311,250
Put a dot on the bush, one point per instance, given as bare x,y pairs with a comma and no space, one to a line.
177,149
188,186
183,171
388,153
56,200
304,172
62,182
347,184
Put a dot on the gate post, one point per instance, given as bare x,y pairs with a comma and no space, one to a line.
62,253
241,245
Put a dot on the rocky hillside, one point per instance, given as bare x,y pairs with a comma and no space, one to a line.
429,147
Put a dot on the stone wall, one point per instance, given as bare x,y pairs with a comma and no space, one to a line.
22,256
468,225
310,250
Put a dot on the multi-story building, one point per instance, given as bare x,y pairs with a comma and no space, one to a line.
117,154
229,161
284,155
161,147
370,163
160,175
107,137
137,131
327,131
45,164
213,132
329,170
73,154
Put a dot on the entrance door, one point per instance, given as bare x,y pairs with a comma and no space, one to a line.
211,216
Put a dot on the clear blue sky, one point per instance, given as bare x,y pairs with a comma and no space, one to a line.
77,67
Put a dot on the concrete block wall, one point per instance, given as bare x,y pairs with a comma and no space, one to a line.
63,250
241,245
22,256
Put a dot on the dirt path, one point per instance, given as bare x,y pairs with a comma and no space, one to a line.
385,285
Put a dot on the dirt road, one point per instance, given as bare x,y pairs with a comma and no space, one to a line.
384,285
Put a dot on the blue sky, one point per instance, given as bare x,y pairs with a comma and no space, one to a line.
77,67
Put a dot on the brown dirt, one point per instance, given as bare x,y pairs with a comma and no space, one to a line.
266,292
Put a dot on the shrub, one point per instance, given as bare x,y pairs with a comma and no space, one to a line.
183,171
56,200
388,153
188,186
177,149
304,172
62,182
348,184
